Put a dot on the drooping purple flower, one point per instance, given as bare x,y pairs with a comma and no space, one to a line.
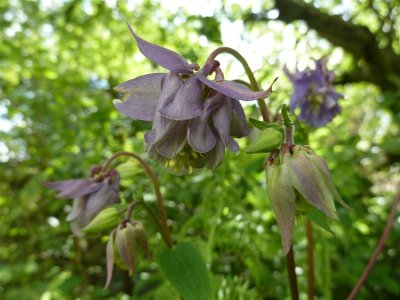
194,118
91,195
314,94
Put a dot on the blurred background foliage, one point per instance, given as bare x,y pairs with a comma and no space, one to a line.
59,62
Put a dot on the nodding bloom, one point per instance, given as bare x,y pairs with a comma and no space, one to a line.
314,94
91,195
194,118
298,181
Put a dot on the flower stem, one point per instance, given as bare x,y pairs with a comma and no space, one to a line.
253,82
165,232
130,209
378,249
291,269
310,261
290,263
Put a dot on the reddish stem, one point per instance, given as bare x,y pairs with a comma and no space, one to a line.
160,203
378,249
291,269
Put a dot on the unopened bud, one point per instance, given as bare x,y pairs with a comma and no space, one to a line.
268,140
131,242
108,218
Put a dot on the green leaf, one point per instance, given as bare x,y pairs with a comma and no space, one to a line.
185,268
262,125
267,141
319,218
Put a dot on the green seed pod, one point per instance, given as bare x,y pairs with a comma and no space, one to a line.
108,218
268,140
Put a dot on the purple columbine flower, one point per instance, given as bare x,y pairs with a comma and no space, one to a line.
194,118
91,195
314,94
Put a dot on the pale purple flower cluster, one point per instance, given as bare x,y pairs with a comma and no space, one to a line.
314,94
91,195
194,118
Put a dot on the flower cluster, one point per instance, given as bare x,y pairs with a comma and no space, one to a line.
91,195
314,94
297,183
194,118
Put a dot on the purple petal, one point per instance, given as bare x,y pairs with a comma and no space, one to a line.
141,97
200,136
234,90
215,156
101,199
73,188
162,56
187,102
222,123
78,208
174,140
238,123
162,125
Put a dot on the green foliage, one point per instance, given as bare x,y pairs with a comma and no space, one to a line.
58,65
185,268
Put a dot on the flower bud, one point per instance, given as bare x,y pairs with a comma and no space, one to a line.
268,140
297,182
282,197
125,247
106,219
313,184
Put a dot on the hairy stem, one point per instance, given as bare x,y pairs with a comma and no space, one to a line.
253,82
291,269
310,261
378,249
166,234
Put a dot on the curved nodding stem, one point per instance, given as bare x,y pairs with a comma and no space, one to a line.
253,82
166,234
290,263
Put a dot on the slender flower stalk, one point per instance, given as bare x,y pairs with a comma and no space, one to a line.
389,224
253,82
310,261
290,262
291,269
165,232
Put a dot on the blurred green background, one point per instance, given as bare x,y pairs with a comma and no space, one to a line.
59,62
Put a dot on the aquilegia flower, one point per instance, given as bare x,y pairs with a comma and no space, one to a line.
194,118
91,195
314,94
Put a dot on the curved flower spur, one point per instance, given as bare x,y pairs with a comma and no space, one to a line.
194,118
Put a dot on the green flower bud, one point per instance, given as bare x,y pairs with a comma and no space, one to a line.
108,218
297,182
282,197
268,140
125,247
309,181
